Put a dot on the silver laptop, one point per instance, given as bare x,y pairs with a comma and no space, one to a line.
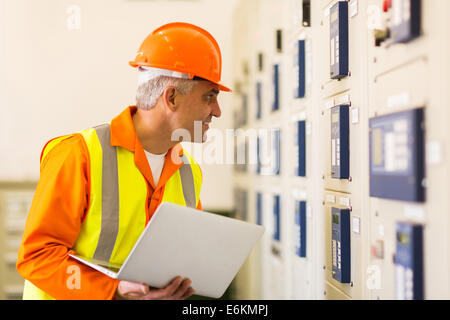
207,248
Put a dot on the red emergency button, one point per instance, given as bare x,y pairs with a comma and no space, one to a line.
378,249
387,4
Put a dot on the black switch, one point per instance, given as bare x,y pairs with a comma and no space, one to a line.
306,20
279,41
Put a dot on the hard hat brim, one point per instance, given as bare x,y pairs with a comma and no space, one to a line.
223,88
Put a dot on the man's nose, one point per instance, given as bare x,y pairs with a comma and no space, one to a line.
216,112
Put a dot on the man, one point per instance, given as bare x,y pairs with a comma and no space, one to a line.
99,188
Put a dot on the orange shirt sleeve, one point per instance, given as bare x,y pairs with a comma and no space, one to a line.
60,202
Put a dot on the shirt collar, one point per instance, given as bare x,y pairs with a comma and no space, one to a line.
122,129
123,133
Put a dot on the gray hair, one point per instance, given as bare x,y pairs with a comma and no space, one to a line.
149,92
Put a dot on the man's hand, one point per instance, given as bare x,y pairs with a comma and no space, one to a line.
178,289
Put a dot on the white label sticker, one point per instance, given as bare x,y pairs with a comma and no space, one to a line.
355,115
399,279
302,115
415,213
332,51
381,230
397,9
344,202
299,194
326,12
298,117
399,100
344,99
329,104
333,152
330,198
434,152
356,225
353,8
389,152
374,15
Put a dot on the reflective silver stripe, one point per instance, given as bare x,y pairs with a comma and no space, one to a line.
187,181
110,196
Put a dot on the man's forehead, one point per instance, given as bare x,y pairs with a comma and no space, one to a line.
208,86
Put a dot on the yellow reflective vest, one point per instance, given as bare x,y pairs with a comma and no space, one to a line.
118,191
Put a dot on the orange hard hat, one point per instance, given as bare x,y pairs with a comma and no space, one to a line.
185,48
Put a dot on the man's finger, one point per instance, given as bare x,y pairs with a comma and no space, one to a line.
138,292
131,289
145,289
173,286
189,292
182,289
164,292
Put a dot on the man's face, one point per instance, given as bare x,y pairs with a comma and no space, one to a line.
197,108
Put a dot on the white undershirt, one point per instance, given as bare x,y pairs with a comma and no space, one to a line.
156,162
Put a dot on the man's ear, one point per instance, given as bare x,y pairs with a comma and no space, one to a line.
169,95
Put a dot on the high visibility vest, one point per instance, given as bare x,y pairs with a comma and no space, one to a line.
101,236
